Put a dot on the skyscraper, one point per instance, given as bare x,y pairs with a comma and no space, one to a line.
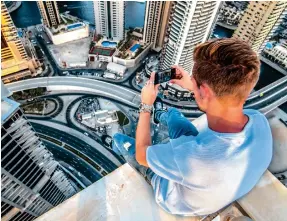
15,63
190,23
156,22
110,19
31,180
258,21
49,12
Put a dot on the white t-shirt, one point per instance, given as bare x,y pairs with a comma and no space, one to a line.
200,175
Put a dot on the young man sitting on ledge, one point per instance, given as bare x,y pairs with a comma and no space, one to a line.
200,172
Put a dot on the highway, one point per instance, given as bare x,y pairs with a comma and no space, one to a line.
271,93
78,144
119,93
60,154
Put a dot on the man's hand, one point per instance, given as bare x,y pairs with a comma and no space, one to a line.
149,91
183,78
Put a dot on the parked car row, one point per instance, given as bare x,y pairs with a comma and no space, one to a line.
76,73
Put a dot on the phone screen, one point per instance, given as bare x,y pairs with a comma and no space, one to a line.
164,76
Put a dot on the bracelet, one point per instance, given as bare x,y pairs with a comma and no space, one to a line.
145,108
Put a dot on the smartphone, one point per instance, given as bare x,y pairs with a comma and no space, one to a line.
164,76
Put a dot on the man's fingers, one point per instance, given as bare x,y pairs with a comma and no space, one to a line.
179,68
175,81
152,77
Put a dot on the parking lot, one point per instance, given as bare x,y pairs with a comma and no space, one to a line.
75,52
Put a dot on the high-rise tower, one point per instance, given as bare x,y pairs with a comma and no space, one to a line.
13,55
190,23
110,19
156,22
32,181
258,21
49,12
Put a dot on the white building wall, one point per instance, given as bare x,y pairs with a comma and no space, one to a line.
190,24
69,35
116,15
152,18
101,13
258,20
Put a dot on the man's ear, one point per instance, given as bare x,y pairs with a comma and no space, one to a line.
205,91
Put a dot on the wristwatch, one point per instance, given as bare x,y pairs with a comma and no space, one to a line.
145,108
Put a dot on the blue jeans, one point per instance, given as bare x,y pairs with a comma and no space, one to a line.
177,125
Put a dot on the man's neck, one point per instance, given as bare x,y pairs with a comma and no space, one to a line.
227,120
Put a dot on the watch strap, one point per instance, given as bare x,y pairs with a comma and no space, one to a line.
145,108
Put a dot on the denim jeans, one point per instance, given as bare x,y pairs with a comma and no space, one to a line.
177,125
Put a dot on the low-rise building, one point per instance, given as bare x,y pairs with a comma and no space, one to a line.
116,68
176,91
99,118
102,54
231,15
66,33
279,54
152,65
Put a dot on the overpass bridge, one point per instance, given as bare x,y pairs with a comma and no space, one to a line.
114,91
264,100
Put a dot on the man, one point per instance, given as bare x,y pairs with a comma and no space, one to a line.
200,172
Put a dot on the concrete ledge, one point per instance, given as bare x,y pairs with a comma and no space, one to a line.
124,195
267,200
121,195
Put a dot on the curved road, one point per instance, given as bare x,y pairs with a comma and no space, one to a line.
75,142
119,93
272,94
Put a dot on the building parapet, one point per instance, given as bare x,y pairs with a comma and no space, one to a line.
125,195
132,62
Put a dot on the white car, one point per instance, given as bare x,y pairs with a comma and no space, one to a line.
71,168
86,134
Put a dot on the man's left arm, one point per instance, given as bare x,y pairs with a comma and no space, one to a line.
143,133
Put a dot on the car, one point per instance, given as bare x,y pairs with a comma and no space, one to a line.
66,72
86,134
71,168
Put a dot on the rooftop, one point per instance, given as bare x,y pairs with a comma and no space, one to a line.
8,106
102,51
125,195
